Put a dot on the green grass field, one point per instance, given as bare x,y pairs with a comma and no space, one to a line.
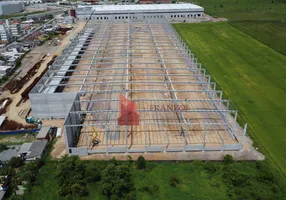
238,10
11,139
195,182
21,14
265,20
270,33
252,75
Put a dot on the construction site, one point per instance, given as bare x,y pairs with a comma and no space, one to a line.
144,63
15,104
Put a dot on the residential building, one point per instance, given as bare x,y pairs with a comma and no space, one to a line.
33,150
16,29
5,70
5,33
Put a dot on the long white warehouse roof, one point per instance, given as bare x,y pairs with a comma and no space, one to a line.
147,7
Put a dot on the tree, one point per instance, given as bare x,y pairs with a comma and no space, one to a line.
24,18
141,163
117,182
94,174
70,177
228,159
16,162
151,189
211,167
235,178
50,16
78,190
15,197
3,147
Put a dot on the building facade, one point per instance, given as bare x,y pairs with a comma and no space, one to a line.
15,29
5,33
11,7
147,11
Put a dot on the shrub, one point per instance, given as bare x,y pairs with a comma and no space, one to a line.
264,173
116,182
228,159
174,181
16,162
141,163
93,174
211,167
70,177
129,158
152,189
235,178
197,162
15,197
3,147
266,176
114,161
78,190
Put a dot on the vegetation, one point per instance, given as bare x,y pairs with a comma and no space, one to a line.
174,181
12,139
117,182
16,162
49,16
242,10
141,163
241,66
183,180
21,14
271,33
265,20
228,159
70,178
3,147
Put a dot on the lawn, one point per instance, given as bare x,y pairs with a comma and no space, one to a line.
10,139
271,33
204,181
265,20
239,10
253,77
21,14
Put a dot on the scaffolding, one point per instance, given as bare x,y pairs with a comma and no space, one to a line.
147,62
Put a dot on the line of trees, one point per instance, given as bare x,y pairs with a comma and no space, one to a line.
115,179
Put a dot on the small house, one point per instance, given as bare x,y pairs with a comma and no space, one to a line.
44,133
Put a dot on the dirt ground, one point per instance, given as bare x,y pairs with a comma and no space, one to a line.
205,18
59,148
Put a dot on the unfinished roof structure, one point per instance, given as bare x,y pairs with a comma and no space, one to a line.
175,103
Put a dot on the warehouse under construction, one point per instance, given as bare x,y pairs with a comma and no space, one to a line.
134,86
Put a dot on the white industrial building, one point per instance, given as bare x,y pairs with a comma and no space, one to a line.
150,11
11,7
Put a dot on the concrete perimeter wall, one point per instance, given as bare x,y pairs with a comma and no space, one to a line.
72,132
54,105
